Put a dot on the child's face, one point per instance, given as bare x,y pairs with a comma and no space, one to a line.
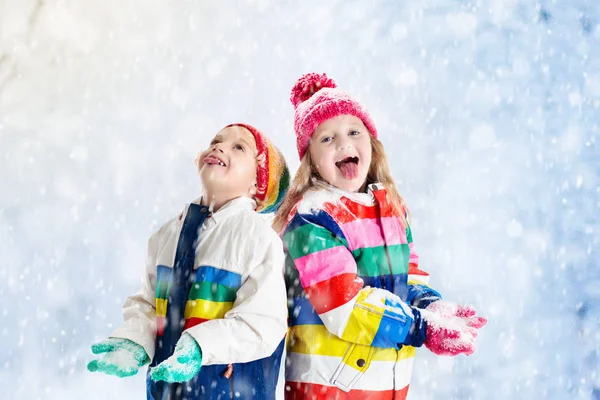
341,151
228,167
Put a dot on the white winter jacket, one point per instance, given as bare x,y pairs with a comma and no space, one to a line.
236,240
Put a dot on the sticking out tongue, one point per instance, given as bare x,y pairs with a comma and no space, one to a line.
349,167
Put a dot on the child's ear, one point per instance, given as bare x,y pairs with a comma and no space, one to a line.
253,188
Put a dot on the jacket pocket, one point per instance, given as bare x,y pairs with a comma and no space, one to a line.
355,362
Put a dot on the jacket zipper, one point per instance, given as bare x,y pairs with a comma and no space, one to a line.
389,260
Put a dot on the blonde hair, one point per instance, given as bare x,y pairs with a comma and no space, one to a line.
379,172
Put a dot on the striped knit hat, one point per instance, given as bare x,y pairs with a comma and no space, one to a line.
316,99
272,176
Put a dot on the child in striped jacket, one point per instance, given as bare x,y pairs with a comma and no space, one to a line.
210,318
358,303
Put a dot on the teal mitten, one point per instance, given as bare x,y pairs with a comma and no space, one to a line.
183,365
122,357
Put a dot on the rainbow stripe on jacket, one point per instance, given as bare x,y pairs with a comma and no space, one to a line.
212,294
349,259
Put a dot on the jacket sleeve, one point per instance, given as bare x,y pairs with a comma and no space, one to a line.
257,323
139,310
327,272
420,295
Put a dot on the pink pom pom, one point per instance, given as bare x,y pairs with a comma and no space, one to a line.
309,84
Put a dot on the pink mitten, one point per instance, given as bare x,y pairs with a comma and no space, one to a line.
451,328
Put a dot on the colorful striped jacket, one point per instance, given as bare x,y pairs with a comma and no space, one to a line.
351,274
233,304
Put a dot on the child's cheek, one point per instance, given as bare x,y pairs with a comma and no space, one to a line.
199,157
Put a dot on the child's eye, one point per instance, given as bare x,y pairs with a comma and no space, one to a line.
353,133
239,147
214,142
326,139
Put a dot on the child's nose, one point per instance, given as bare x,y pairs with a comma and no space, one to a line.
217,147
343,145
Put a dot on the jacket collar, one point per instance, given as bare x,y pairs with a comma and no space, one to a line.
359,197
231,207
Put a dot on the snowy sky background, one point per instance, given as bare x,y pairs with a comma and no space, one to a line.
489,111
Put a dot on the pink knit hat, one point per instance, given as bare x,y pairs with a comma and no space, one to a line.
316,99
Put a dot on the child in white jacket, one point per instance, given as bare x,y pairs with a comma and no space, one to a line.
210,317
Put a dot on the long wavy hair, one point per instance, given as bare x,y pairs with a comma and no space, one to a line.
304,180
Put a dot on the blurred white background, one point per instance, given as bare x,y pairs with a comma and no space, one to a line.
489,111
